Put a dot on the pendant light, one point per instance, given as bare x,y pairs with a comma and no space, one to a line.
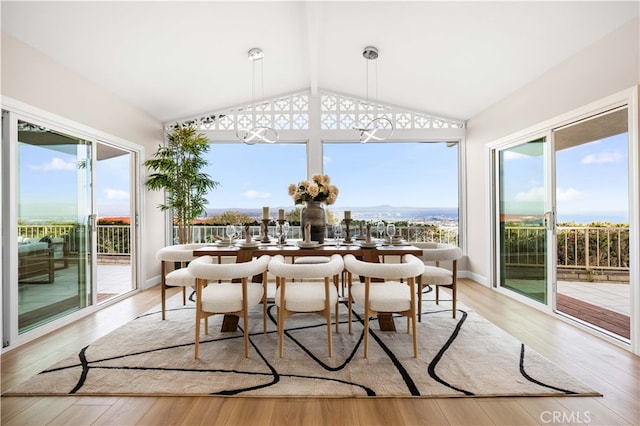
379,128
256,133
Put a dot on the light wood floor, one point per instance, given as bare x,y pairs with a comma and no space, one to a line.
607,368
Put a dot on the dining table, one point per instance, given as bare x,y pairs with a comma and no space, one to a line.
244,252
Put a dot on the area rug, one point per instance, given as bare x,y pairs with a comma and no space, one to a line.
467,356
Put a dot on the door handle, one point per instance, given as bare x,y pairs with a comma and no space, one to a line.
550,221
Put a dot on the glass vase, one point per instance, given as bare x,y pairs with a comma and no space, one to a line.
313,213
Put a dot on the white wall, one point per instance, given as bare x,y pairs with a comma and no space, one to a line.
602,69
30,77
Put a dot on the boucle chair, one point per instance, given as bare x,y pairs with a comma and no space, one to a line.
216,293
397,294
305,260
174,273
306,295
438,276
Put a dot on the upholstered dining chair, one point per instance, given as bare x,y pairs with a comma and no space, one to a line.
174,260
219,292
307,294
436,275
397,294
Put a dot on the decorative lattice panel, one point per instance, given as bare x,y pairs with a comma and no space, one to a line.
286,113
343,113
337,112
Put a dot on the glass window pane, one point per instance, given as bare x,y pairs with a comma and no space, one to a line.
253,176
54,204
413,184
523,236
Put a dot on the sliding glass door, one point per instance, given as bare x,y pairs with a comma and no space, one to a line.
114,176
562,235
55,224
60,258
524,220
592,183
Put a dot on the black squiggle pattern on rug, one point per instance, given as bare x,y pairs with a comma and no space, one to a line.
267,372
531,379
411,385
317,360
85,370
87,366
433,364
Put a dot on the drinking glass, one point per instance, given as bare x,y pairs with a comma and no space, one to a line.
337,233
355,233
285,230
381,229
238,228
230,230
391,231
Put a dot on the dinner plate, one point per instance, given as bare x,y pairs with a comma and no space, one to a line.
311,244
244,244
365,244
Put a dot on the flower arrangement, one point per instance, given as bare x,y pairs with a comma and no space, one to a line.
318,189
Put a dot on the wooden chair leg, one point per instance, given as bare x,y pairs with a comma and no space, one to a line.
184,296
329,339
163,288
415,336
264,302
197,341
164,298
454,295
280,331
349,302
336,281
366,333
245,320
420,289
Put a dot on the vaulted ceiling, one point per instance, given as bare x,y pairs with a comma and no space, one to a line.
178,59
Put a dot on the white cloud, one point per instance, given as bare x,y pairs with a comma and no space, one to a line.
326,159
116,194
534,194
603,157
569,194
252,194
55,164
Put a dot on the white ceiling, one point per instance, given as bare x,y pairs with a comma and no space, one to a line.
178,59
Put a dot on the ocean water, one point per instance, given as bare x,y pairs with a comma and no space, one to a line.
587,218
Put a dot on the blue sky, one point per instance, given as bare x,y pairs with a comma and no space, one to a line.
402,174
591,177
49,183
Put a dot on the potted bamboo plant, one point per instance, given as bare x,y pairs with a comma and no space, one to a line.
177,169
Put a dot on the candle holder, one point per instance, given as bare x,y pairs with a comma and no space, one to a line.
265,231
281,239
348,237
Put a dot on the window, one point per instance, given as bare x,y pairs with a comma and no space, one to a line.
253,176
402,182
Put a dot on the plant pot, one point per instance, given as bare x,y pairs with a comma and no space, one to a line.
314,214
